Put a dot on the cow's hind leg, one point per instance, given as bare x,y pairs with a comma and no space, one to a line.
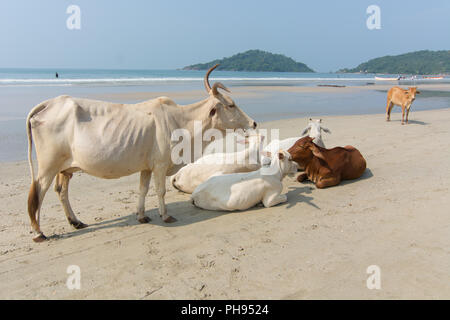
36,195
160,186
143,190
62,188
389,107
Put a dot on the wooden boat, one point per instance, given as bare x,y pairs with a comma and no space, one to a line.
434,78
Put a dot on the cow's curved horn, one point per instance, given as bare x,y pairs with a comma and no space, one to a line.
218,85
206,80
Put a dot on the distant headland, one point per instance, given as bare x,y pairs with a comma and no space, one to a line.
254,60
418,62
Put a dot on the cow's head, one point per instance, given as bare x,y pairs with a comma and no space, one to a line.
287,166
301,152
314,128
223,112
411,92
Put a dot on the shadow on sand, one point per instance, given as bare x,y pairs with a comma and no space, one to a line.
412,122
185,213
297,194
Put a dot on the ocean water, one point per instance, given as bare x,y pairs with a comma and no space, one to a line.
21,89
73,77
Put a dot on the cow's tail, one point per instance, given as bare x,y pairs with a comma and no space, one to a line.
35,110
33,196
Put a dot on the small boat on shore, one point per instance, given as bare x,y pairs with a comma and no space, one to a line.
386,79
433,77
331,85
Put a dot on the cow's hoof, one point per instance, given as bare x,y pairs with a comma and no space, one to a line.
169,219
403,123
78,225
144,219
40,238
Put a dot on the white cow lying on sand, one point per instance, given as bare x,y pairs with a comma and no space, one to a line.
249,159
313,129
241,191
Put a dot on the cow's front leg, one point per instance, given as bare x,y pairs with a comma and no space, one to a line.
273,198
403,115
330,181
160,186
407,114
302,177
146,175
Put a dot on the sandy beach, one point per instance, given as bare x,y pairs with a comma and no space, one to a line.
316,246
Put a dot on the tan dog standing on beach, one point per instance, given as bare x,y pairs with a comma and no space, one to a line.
400,97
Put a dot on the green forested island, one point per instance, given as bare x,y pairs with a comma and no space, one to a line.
418,62
254,60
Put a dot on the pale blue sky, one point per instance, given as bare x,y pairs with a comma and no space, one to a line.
138,34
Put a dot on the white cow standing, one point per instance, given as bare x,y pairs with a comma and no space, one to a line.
192,175
110,140
313,129
241,191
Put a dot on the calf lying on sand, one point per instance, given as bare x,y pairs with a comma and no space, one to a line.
313,129
192,175
400,97
327,167
241,191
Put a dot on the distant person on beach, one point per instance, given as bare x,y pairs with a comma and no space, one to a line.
56,75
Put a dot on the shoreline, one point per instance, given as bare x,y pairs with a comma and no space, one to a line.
262,103
269,123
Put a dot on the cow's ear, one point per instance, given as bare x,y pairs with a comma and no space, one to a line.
316,152
280,155
417,92
212,112
305,131
326,130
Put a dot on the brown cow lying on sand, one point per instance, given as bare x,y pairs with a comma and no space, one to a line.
400,97
327,167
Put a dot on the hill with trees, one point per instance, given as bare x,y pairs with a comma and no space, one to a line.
418,62
254,60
